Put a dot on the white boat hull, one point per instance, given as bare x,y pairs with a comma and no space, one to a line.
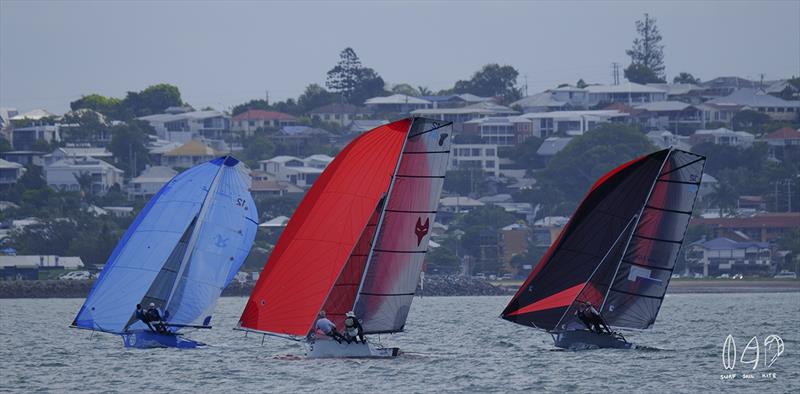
324,348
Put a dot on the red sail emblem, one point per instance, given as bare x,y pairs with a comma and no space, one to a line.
421,229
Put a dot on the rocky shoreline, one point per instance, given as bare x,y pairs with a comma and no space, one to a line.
433,287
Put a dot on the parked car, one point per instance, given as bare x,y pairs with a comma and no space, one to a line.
480,275
738,276
75,275
506,277
724,276
676,276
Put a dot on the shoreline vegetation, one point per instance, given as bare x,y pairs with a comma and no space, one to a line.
443,286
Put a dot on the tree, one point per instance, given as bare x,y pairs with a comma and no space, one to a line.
685,77
465,181
404,88
315,96
424,91
442,260
257,147
152,100
492,80
128,145
5,146
647,53
354,82
581,84
108,106
750,120
573,170
723,197
524,154
252,104
84,179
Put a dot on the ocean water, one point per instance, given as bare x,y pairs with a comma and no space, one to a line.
452,344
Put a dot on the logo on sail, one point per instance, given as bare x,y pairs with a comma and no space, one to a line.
442,138
421,229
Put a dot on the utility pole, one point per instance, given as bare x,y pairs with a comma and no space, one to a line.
267,96
615,72
789,194
526,85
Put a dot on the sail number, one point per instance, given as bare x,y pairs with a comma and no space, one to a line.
240,202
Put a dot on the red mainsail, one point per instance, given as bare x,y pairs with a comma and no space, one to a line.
323,232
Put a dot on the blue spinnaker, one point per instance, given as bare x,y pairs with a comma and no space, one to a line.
160,233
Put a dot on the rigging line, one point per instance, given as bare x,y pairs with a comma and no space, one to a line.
408,211
683,166
387,294
420,176
638,217
400,251
428,131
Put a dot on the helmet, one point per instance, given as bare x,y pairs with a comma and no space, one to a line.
350,314
152,305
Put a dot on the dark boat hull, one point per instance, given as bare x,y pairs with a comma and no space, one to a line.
584,340
149,340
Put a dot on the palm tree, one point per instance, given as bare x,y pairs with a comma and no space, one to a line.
723,197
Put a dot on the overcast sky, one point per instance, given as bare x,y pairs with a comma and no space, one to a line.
221,55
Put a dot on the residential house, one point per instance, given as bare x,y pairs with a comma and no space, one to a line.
318,161
34,114
265,188
5,117
454,100
478,156
189,155
783,141
397,103
723,86
708,184
455,204
72,152
664,139
547,229
340,113
552,145
23,138
685,92
185,126
762,227
541,102
460,115
719,112
291,169
677,116
253,120
505,131
10,172
514,240
545,124
785,89
361,125
64,174
25,157
301,136
628,92
723,255
723,136
150,181
776,108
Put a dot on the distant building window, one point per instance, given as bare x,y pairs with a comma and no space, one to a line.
489,164
476,152
252,123
489,152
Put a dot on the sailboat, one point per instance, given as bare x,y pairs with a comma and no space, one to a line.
180,252
615,256
357,241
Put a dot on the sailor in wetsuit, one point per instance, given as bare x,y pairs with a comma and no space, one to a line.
352,328
152,315
592,319
140,314
328,328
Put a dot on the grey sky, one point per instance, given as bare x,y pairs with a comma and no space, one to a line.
222,54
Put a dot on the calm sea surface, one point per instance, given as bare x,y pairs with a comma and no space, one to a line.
453,344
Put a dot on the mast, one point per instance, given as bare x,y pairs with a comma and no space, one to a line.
193,238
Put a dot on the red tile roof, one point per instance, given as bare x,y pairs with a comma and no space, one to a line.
260,114
769,220
786,133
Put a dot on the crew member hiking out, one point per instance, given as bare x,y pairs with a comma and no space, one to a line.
352,328
592,319
141,315
152,315
328,328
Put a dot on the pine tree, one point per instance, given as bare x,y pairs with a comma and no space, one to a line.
344,77
647,53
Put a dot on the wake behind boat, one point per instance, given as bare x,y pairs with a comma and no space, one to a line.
611,264
184,248
356,243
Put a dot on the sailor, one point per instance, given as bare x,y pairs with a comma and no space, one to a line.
592,319
352,328
140,314
152,315
328,328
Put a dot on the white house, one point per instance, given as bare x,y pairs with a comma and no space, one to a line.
482,156
626,93
250,121
339,113
23,138
183,127
724,255
459,115
77,153
10,172
505,131
400,103
292,169
64,174
188,155
546,124
723,136
150,181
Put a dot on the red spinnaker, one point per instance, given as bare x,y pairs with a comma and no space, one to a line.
323,232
